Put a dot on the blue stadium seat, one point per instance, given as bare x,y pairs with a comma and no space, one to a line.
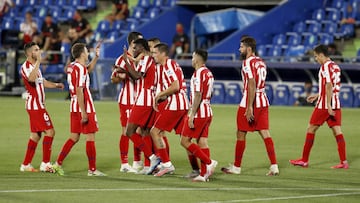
261,50
346,30
89,4
295,92
325,38
233,93
333,15
65,49
310,40
113,35
138,13
153,12
47,2
41,12
299,27
337,4
357,97
269,92
318,14
330,27
275,51
293,52
56,12
144,4
294,39
281,96
118,25
103,28
279,39
218,95
19,3
67,14
7,24
313,26
346,95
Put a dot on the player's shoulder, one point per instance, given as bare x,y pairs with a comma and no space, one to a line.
26,65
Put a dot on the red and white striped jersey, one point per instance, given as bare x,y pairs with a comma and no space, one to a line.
172,72
254,67
202,81
78,76
160,76
329,73
36,95
127,92
146,85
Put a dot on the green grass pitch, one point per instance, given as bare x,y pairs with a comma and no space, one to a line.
318,183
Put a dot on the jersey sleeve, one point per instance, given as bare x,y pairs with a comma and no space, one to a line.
170,71
143,64
198,81
26,70
81,79
326,73
248,69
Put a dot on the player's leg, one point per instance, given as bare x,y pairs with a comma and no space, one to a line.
91,154
270,149
240,146
166,166
30,152
65,150
341,145
45,165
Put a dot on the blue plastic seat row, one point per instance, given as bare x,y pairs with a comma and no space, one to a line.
281,94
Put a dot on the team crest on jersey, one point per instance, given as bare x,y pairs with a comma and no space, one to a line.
170,72
142,63
39,80
196,81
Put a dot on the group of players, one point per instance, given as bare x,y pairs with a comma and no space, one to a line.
153,100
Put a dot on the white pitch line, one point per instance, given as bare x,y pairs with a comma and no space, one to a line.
287,198
174,189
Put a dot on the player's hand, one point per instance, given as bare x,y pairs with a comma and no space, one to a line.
249,114
331,112
38,55
125,56
60,86
84,118
97,49
312,98
156,103
191,121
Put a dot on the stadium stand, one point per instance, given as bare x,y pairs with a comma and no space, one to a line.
281,96
218,96
346,95
233,93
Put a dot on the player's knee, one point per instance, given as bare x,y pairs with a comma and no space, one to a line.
50,133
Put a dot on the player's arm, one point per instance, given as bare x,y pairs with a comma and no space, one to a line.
249,113
329,93
53,85
174,87
34,73
132,72
194,108
81,102
91,65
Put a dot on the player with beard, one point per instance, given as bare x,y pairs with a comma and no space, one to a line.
252,113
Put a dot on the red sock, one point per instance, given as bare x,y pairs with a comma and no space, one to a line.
148,142
139,143
65,151
341,147
167,145
193,162
203,165
163,155
239,151
309,141
47,143
195,149
91,154
30,151
137,154
269,144
124,148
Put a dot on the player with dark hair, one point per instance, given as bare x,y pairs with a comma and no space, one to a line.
40,120
197,122
142,113
82,110
171,116
126,100
252,113
327,109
